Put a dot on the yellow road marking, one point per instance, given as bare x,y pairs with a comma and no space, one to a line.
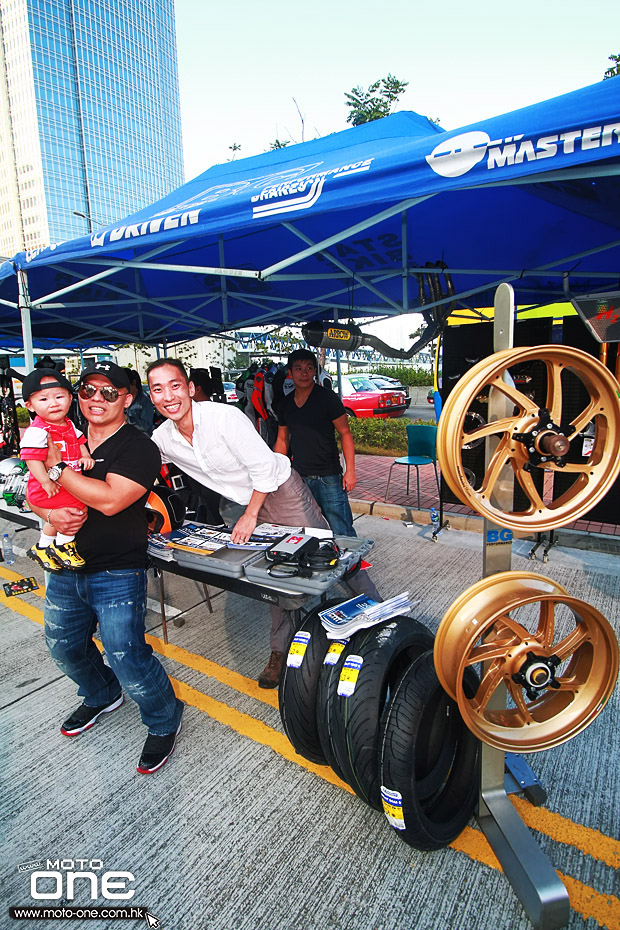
254,729
592,842
589,902
604,908
220,673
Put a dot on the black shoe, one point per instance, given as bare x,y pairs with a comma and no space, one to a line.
156,751
85,717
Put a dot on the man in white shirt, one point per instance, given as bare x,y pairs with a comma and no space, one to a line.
217,445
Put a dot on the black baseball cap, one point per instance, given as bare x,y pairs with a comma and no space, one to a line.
32,382
110,370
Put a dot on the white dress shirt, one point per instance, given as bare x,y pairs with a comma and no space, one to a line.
226,454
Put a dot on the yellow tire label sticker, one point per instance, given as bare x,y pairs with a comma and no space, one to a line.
334,652
297,649
393,807
349,675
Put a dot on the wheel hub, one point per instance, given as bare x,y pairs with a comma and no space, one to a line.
545,443
537,674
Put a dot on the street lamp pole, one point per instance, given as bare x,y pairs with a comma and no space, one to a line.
91,220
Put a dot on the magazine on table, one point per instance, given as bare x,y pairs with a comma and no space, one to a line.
361,612
198,538
275,531
158,547
264,536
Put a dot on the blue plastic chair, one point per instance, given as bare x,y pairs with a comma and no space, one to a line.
421,450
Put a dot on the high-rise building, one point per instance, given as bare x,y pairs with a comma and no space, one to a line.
89,115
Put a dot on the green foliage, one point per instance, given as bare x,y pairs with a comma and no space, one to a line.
614,70
410,377
375,102
23,417
278,144
381,437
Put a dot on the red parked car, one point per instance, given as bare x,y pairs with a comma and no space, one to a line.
362,398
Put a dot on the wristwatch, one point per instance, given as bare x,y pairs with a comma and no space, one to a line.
56,470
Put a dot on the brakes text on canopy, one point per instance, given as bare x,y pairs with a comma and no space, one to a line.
454,157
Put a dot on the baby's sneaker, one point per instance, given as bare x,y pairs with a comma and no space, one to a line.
67,555
42,555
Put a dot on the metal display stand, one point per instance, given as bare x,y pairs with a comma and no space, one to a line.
533,878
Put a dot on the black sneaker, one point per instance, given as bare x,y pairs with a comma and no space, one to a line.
156,751
85,717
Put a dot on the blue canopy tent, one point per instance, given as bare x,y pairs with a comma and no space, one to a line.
345,226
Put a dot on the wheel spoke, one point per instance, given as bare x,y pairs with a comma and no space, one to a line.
487,652
499,460
582,419
576,468
504,425
490,681
554,391
571,643
516,693
526,481
546,624
525,403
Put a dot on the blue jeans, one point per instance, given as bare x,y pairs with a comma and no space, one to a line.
333,500
75,602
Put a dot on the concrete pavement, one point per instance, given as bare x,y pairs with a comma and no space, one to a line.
237,832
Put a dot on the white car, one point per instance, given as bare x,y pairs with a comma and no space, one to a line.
231,392
393,382
389,384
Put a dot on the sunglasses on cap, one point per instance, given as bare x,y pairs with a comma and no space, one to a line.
109,393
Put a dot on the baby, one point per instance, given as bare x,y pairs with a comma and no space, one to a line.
48,394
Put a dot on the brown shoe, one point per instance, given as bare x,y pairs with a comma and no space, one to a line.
270,676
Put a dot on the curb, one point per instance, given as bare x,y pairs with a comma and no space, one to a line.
572,539
411,515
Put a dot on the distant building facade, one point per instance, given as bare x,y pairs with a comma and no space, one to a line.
89,115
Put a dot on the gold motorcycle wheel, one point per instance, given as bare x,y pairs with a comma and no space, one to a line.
558,661
535,435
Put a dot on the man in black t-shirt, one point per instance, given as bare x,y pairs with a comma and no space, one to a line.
308,420
111,593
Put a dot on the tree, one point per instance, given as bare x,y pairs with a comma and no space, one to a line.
278,144
375,102
234,148
614,70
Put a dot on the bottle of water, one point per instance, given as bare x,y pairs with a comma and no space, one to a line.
7,549
434,519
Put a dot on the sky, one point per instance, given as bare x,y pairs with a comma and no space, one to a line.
251,72
247,69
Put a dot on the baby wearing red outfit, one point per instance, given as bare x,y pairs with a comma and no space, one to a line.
48,394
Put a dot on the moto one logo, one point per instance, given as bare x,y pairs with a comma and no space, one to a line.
454,157
60,877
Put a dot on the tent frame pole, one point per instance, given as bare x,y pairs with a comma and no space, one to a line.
24,309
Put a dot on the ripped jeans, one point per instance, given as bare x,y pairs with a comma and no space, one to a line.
75,603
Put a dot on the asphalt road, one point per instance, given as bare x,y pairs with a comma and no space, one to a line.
423,411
